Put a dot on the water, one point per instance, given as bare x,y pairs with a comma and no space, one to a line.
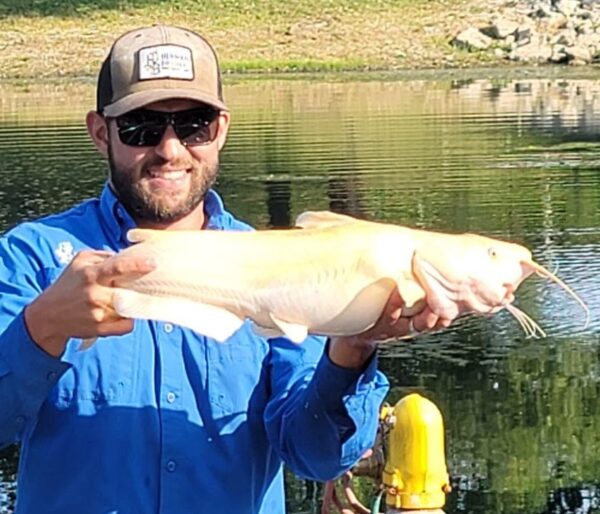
514,158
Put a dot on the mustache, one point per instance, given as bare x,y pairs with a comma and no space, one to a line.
158,162
149,161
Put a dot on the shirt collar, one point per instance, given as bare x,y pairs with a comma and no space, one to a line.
119,220
214,210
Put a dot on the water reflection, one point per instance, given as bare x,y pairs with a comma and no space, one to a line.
514,159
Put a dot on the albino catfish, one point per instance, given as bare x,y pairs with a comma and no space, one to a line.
332,277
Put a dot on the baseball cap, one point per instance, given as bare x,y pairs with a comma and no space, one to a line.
158,63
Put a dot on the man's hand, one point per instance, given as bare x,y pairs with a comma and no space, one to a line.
354,351
79,303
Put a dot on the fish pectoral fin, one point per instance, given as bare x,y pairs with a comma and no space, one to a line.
294,332
413,296
320,219
208,320
267,332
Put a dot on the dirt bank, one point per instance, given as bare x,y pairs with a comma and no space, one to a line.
302,35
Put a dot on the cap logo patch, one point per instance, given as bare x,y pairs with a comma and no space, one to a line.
166,61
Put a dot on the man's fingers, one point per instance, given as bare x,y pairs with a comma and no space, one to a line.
443,323
394,302
120,267
91,257
425,320
117,328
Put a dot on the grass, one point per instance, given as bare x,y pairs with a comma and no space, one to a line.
76,8
46,38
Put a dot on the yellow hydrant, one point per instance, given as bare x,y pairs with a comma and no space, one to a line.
415,474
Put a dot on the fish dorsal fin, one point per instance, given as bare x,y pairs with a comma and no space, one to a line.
137,235
209,320
295,333
320,219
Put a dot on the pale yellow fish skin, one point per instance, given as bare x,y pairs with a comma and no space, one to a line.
332,277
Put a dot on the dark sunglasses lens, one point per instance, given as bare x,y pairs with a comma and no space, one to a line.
146,127
197,126
140,128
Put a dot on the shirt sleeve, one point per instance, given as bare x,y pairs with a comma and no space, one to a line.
27,373
321,418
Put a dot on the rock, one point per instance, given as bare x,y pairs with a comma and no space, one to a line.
565,38
523,35
556,21
538,31
585,27
541,11
558,55
535,52
585,15
566,7
472,39
591,41
500,29
578,54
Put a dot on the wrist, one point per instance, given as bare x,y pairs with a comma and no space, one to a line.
350,352
39,323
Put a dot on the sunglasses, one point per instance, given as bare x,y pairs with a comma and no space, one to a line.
144,127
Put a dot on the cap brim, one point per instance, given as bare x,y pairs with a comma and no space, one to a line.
142,98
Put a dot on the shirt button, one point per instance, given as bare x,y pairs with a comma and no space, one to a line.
168,328
52,375
171,465
171,397
20,420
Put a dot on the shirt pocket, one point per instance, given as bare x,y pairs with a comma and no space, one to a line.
238,375
101,374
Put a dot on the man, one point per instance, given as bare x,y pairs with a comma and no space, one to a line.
155,418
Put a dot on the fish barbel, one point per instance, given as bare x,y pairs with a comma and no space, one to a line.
333,277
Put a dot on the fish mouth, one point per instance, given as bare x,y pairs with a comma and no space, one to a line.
451,297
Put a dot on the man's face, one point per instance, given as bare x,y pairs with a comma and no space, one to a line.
165,183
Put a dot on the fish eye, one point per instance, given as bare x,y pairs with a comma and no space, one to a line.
492,253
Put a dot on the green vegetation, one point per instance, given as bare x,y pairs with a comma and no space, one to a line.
45,38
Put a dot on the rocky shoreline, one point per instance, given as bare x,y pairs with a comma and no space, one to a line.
538,32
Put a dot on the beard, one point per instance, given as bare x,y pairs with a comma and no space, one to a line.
145,205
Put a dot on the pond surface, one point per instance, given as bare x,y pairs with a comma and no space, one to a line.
514,158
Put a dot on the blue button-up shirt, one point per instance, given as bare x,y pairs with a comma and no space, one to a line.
164,420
